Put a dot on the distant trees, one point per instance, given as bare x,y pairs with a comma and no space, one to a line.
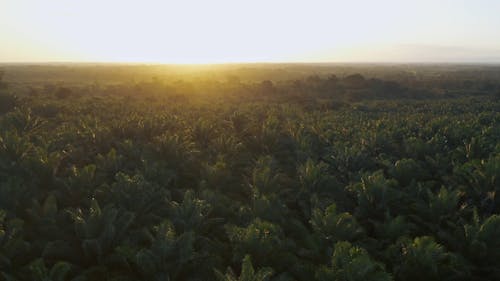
63,92
7,100
354,80
353,87
267,87
3,85
233,79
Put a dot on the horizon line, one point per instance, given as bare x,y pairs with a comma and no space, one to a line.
254,62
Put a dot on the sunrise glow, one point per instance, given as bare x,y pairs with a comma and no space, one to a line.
248,31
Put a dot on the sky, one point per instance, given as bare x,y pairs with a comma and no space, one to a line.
221,31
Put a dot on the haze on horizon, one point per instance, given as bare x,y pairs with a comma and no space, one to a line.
221,31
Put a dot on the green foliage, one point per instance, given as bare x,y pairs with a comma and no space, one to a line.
177,180
480,245
351,263
334,226
406,170
376,196
191,214
247,273
7,102
59,271
261,239
424,259
100,231
314,176
443,205
265,178
393,228
169,257
13,248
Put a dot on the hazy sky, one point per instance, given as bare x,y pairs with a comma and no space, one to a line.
207,31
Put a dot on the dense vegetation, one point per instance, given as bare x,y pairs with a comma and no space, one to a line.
317,178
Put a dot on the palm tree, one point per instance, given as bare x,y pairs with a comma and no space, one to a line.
351,263
248,273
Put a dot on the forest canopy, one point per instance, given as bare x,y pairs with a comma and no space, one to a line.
274,172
